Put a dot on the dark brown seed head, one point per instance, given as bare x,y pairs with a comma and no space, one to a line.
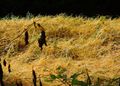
4,62
26,38
9,69
34,78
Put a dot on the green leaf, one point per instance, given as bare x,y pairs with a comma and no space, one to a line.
59,76
48,80
76,82
75,75
61,70
53,77
81,83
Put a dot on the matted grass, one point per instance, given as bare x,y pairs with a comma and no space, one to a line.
75,43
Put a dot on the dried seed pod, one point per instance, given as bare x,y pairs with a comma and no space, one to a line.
34,78
26,38
4,62
35,24
42,39
9,68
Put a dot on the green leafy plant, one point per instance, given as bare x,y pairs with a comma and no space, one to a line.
62,77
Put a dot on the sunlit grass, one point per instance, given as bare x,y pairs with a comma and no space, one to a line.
75,43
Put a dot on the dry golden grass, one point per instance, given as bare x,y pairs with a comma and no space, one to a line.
75,43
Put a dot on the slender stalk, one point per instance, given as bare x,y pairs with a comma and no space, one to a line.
1,75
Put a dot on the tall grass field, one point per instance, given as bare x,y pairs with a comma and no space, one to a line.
76,44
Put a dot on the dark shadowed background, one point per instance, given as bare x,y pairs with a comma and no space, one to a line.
53,7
